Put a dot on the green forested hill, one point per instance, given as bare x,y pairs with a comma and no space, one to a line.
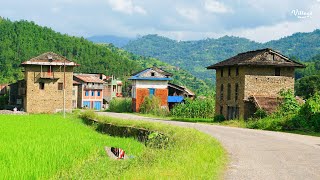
194,56
22,40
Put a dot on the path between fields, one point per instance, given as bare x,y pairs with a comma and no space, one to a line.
257,154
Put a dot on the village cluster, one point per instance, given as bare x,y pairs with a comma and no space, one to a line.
244,83
49,82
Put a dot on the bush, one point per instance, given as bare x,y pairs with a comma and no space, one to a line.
120,105
289,104
197,108
310,114
219,118
152,105
260,113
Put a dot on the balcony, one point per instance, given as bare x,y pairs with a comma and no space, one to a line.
46,75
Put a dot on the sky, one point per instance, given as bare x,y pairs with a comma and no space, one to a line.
258,20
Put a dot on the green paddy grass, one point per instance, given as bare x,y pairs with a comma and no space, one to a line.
48,146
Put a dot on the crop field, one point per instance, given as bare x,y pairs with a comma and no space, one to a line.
48,146
51,147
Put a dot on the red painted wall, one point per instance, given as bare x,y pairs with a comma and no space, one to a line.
141,93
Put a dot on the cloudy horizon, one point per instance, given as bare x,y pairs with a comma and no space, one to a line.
257,20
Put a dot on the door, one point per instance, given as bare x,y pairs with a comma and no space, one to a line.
97,105
86,104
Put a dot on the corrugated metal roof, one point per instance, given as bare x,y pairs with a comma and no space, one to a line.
175,99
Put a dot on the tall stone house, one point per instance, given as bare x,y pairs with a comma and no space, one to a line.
44,83
90,91
149,82
252,80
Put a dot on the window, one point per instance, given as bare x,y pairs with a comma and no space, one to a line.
237,71
151,92
229,71
60,86
277,72
41,85
221,92
114,88
98,93
236,91
87,93
229,92
92,93
221,72
152,73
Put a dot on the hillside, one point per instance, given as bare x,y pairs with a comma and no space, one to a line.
22,40
194,56
107,39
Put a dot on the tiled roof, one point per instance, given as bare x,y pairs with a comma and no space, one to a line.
49,58
268,104
88,78
261,57
182,88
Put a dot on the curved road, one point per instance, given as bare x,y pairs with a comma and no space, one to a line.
257,154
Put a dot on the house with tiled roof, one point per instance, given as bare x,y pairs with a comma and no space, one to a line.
149,82
252,80
90,91
46,78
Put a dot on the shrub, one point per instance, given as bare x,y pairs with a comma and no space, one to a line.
310,114
289,104
260,113
152,105
219,118
197,108
120,105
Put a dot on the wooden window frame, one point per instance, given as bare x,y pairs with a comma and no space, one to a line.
60,86
236,91
221,92
229,92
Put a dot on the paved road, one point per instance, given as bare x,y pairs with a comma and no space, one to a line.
256,154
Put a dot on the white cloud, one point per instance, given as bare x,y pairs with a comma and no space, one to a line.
189,13
214,6
126,6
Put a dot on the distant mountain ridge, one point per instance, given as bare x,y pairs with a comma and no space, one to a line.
194,56
107,39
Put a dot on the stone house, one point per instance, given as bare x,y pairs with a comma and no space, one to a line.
44,78
252,80
90,91
149,82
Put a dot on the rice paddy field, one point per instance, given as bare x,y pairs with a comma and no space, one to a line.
51,147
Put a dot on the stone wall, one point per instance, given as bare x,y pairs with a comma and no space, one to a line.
49,99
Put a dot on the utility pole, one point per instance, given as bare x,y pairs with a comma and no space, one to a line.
64,89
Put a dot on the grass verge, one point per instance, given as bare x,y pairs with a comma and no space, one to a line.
190,154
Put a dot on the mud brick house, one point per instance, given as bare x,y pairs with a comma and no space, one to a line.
44,78
90,91
252,80
149,82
